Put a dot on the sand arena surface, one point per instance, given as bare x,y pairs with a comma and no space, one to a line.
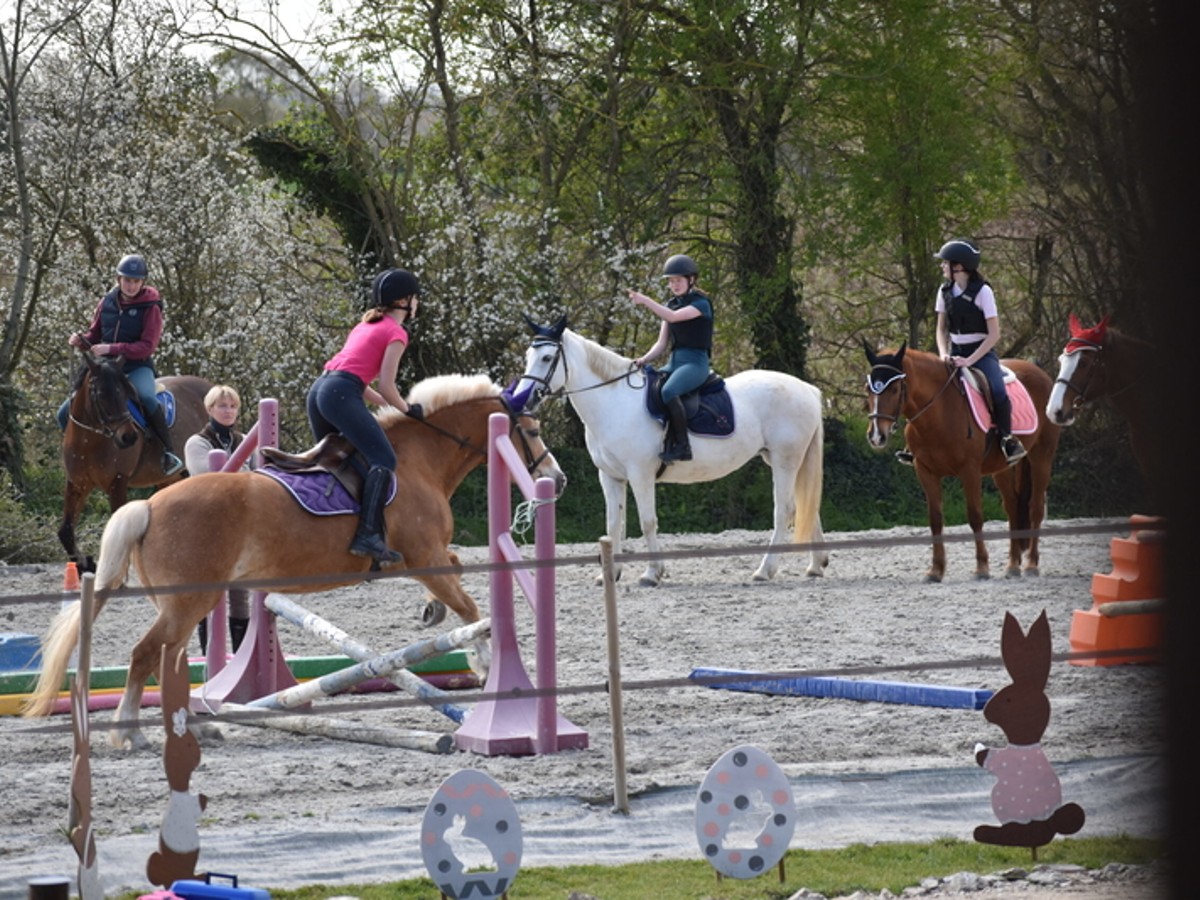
286,809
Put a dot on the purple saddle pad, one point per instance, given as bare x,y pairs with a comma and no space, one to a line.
319,492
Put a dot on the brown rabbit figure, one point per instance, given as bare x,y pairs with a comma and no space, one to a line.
179,837
1027,796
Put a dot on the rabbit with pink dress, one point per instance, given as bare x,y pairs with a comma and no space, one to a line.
1027,797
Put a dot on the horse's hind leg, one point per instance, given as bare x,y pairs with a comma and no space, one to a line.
449,591
783,480
144,661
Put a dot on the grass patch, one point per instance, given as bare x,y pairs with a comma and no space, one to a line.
833,873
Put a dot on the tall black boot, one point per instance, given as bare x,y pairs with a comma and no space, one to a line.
202,633
368,540
158,424
237,631
677,447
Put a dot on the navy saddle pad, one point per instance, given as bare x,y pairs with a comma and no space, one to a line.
709,408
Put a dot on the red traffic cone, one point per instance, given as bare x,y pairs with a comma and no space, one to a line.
71,578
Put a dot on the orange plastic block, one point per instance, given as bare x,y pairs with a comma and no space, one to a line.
1137,572
1093,632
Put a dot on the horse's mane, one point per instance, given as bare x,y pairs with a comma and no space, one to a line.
604,362
440,391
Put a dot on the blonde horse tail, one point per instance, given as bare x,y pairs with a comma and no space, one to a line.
125,529
810,478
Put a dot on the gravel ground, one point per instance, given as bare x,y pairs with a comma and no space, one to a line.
870,616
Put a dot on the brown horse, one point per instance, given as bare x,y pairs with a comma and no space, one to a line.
1101,362
105,449
947,442
194,537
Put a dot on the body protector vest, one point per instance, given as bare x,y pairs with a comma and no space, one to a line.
694,334
962,314
122,324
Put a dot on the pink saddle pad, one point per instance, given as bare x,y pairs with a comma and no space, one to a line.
1024,416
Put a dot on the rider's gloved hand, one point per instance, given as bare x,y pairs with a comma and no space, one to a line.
414,411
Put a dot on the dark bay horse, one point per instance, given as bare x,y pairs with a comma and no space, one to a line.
192,538
1102,363
947,442
105,449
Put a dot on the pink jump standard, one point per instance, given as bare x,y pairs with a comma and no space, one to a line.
525,725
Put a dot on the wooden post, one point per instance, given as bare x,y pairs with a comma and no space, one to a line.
612,626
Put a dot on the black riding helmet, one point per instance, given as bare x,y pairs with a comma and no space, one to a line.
393,285
133,266
962,252
680,265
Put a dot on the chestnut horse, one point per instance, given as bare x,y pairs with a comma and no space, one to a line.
105,449
194,537
946,442
1101,362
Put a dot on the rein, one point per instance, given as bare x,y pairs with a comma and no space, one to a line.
559,356
515,427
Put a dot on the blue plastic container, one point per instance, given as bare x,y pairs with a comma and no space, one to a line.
204,890
19,652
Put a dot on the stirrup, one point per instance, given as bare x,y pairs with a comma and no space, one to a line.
171,463
904,457
1012,449
373,546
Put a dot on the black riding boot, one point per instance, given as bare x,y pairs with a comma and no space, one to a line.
202,633
368,540
237,631
1012,448
676,447
158,424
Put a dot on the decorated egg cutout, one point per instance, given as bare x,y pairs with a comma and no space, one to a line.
745,786
470,806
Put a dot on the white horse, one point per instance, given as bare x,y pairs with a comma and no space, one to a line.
777,417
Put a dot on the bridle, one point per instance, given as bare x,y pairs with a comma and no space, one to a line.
543,391
1084,346
112,413
878,385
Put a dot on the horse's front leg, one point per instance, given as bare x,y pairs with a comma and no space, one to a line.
932,485
972,483
448,590
73,500
614,517
643,497
1007,481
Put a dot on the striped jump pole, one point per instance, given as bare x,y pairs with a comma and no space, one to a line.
377,667
288,609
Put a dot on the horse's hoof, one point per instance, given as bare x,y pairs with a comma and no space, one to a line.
433,613
933,578
1033,572
209,731
759,576
1012,572
647,581
983,576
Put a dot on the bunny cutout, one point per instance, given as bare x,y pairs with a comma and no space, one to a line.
179,837
1027,796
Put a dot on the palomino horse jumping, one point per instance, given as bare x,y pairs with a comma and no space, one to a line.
947,442
777,417
105,449
214,529
1101,362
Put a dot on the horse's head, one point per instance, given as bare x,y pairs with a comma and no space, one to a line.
1080,370
108,392
885,393
539,461
543,375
